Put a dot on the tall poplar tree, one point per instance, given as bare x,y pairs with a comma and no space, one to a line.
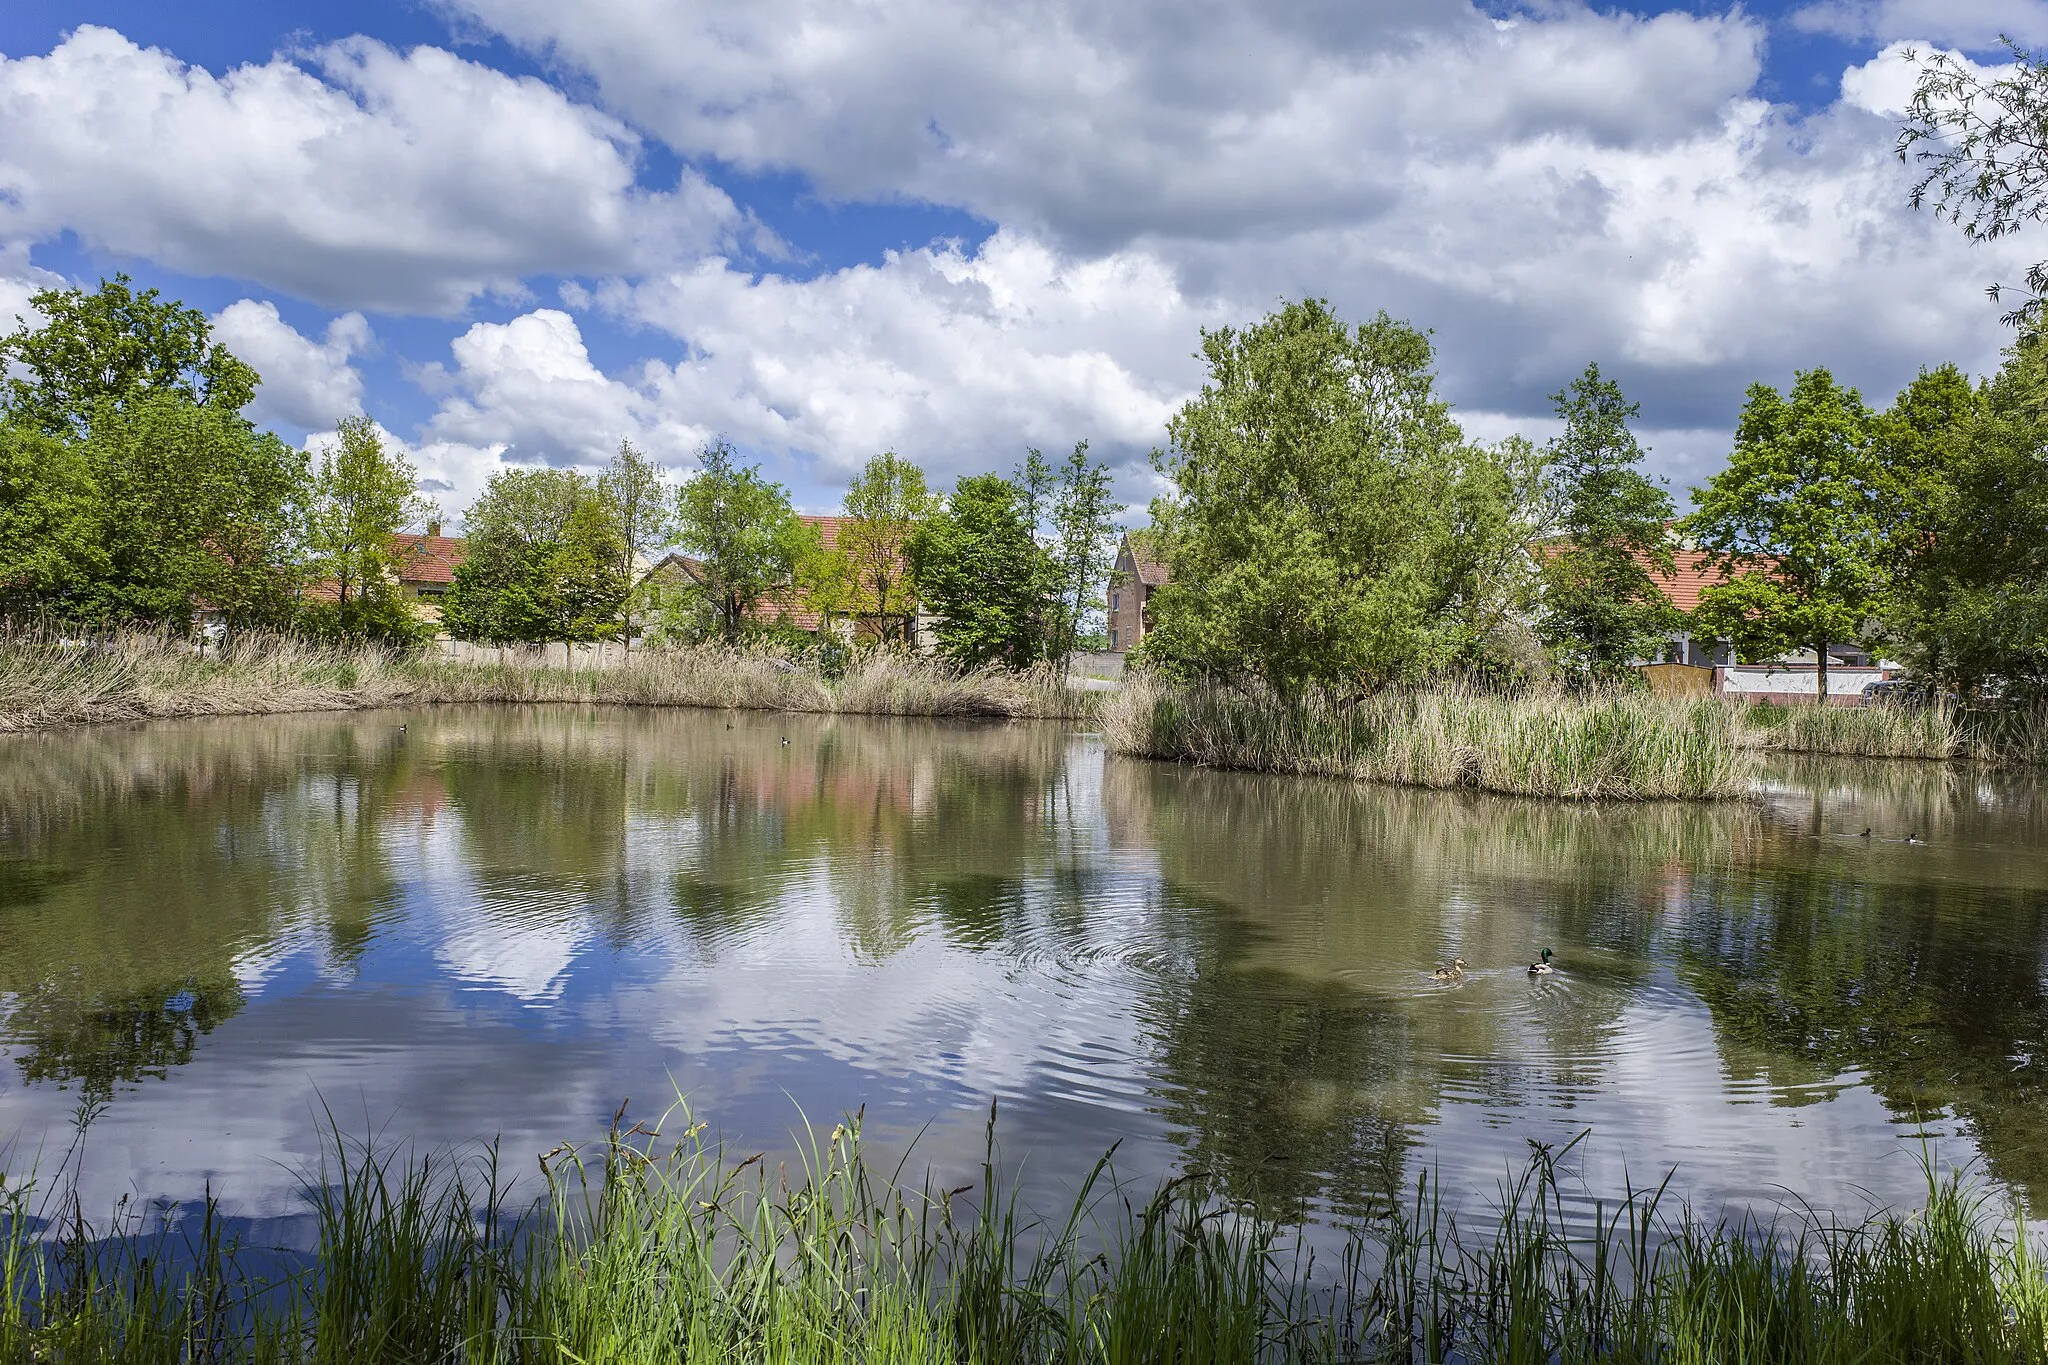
642,510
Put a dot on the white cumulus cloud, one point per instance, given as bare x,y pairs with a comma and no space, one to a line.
1974,24
307,384
355,176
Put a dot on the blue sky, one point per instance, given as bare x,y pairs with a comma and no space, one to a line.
516,231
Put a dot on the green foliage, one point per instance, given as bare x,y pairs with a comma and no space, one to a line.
1967,606
656,1247
750,540
141,491
1601,608
979,568
642,510
49,542
362,496
886,504
1328,522
1074,506
1797,518
196,507
544,562
115,344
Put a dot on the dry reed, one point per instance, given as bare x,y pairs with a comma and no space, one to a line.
1607,746
46,681
1881,731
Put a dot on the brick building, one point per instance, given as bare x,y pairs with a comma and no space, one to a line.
1137,573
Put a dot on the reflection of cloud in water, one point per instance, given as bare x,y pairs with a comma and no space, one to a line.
511,920
530,963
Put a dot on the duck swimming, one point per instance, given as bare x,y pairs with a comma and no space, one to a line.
1452,972
1542,967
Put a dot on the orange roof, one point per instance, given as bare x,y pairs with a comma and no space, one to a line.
828,529
1693,573
428,559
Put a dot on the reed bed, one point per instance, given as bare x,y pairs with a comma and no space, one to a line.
660,1251
1605,746
46,681
1885,731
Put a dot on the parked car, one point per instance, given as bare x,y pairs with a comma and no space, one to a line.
1907,692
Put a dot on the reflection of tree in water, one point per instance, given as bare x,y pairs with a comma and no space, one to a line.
1289,1091
144,863
908,823
102,1041
1815,967
1298,1028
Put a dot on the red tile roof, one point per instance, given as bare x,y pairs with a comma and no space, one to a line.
1693,573
428,559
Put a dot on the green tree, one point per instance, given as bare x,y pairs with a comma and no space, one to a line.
1977,136
1079,548
115,344
1796,519
196,507
1966,604
742,528
642,509
1601,607
50,546
978,567
181,500
362,496
542,563
885,505
1317,488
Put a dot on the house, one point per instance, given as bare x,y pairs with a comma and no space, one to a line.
1137,573
426,568
793,607
1691,663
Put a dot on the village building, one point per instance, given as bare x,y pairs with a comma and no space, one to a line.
795,608
1136,574
426,569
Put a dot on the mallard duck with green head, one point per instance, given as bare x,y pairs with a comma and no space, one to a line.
1541,966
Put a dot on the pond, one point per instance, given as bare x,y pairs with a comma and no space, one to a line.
454,924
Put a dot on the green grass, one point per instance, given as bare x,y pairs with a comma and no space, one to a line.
663,1250
1605,746
46,682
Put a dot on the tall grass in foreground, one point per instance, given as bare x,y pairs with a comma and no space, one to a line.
45,682
1605,746
656,1254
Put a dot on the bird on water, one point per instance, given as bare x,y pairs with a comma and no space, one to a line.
1452,972
1542,967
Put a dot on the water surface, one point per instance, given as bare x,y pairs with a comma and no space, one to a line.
447,924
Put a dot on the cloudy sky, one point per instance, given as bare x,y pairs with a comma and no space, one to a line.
519,230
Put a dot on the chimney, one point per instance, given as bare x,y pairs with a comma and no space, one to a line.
433,529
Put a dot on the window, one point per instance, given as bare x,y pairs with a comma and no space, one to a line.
1112,637
1116,601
